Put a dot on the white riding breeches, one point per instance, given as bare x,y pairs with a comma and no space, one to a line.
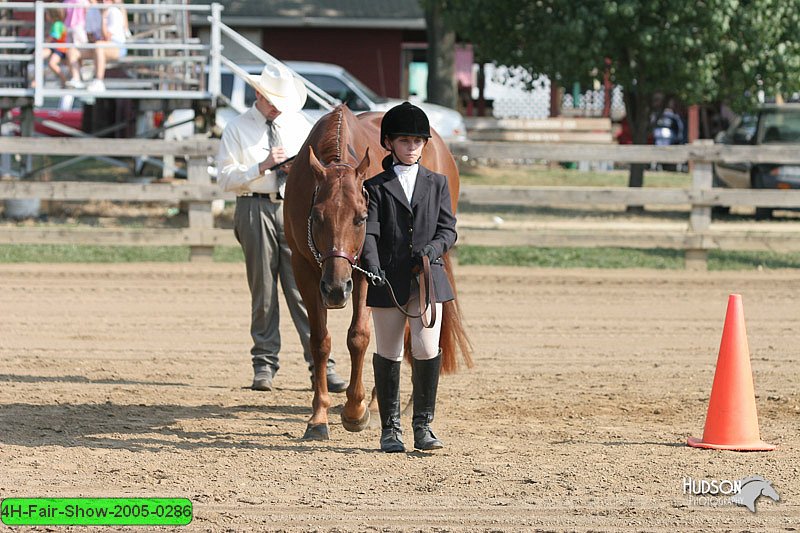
390,331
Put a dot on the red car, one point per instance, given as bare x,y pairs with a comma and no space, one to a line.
64,111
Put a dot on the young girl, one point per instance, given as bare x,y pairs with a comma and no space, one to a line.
58,34
409,216
112,31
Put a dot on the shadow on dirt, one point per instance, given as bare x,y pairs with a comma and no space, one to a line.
155,428
15,378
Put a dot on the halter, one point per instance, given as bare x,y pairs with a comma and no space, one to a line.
427,294
320,257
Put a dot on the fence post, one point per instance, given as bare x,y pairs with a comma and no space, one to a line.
38,64
214,77
700,216
200,215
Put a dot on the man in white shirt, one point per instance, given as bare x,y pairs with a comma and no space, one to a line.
253,146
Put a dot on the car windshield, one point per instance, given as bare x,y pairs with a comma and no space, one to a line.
363,88
249,95
742,130
780,126
336,88
341,88
226,84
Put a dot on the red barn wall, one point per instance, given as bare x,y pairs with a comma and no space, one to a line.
372,56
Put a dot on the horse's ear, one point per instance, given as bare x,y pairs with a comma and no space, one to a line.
361,169
316,166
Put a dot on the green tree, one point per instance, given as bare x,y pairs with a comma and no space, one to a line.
698,50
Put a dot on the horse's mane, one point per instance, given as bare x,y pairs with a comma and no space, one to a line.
335,134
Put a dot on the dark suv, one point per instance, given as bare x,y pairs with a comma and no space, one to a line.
771,124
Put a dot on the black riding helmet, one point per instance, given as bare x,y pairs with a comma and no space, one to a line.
405,119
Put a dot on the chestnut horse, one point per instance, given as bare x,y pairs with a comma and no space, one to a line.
325,210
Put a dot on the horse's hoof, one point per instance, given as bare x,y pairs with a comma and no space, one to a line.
356,425
316,432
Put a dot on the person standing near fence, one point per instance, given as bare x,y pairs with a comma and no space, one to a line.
252,149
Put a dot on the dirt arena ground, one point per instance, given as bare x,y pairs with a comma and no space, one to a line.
129,380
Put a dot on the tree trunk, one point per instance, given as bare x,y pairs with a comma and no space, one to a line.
637,105
441,57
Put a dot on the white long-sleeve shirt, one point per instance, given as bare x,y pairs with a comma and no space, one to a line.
245,144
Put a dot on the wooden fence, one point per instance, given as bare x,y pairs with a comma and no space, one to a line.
197,190
549,130
696,237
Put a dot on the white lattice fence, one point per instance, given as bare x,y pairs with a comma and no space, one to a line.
515,94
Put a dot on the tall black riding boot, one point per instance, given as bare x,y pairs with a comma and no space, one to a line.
426,380
387,388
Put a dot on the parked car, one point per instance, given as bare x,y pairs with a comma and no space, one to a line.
340,84
769,125
65,111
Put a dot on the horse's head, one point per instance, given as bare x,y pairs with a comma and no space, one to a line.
337,225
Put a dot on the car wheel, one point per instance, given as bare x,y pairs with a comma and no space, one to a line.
718,210
762,213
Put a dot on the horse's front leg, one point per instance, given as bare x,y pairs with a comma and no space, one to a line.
308,283
355,416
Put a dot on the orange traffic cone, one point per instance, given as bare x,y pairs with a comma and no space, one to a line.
732,421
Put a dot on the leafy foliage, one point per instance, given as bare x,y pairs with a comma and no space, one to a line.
700,51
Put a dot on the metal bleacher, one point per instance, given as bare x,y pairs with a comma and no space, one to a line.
166,69
164,62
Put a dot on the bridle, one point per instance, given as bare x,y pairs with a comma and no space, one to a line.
427,294
320,257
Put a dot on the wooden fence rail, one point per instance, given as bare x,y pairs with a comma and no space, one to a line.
198,191
697,236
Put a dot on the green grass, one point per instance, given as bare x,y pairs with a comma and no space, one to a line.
537,176
618,258
467,255
70,253
569,257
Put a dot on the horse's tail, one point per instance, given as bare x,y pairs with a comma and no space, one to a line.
453,336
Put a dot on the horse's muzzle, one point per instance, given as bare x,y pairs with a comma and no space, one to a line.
335,295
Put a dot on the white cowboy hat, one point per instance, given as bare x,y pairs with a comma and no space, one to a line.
278,85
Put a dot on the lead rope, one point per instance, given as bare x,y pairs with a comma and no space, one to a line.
426,290
426,293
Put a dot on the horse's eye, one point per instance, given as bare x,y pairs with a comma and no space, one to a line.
316,217
361,220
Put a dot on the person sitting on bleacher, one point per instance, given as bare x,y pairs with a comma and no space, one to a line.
94,22
58,34
113,32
